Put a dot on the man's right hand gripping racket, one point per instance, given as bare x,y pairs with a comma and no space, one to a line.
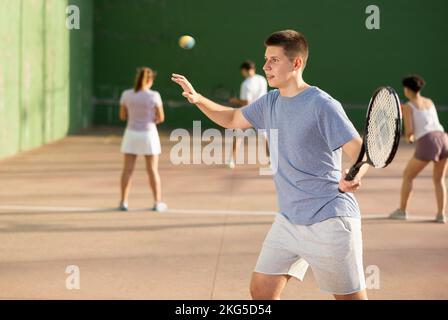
382,132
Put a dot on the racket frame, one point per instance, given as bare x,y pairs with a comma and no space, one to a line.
364,149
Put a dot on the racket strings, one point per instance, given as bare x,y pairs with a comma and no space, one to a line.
381,128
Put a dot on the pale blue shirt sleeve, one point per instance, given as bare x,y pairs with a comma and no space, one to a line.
334,125
255,112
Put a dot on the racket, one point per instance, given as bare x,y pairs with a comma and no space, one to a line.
382,131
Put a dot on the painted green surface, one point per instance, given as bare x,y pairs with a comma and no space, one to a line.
54,82
45,73
346,59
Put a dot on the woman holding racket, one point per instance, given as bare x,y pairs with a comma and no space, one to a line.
422,126
143,110
317,225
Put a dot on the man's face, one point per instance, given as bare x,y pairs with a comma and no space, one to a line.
278,68
245,73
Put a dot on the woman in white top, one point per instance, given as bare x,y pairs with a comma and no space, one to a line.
143,110
422,126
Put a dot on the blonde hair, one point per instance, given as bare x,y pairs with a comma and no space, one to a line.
144,74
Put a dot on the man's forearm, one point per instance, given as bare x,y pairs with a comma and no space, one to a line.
352,150
219,114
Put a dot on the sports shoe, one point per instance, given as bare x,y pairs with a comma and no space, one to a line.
441,218
123,207
398,215
160,207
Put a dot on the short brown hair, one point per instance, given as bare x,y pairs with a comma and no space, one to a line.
293,43
143,75
247,65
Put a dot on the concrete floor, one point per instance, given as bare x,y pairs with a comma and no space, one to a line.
57,209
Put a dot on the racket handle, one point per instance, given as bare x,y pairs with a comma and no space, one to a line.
353,171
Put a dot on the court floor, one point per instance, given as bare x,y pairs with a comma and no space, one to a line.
57,209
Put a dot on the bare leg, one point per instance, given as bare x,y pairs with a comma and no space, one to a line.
412,170
236,148
360,295
152,168
439,174
267,287
267,145
129,164
233,156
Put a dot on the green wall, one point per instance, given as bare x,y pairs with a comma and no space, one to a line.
45,73
346,59
81,69
51,77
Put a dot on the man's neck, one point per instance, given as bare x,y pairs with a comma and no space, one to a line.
250,75
294,88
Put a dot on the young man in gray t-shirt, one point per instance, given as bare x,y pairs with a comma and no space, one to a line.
317,225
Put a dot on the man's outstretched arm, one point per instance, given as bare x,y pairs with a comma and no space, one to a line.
224,116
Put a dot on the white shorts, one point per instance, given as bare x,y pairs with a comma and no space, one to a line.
333,249
141,142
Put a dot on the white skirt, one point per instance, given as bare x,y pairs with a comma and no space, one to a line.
141,142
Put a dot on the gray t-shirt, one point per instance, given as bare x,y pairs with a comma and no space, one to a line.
312,127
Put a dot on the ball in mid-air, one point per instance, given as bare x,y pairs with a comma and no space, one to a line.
186,42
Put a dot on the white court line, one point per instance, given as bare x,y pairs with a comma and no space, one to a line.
176,211
33,208
224,212
180,211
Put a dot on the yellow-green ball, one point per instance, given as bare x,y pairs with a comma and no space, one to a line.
186,42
